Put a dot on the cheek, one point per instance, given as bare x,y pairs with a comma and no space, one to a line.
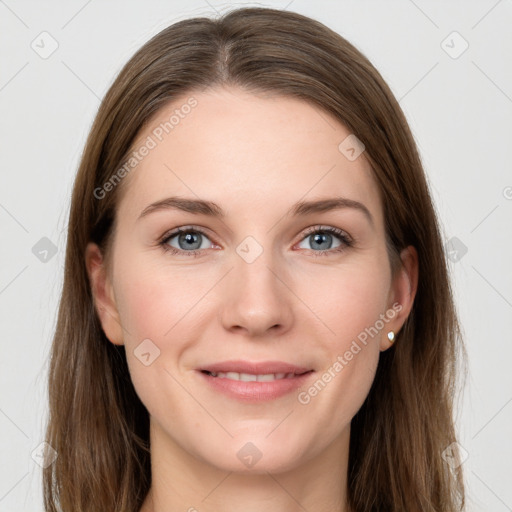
154,310
158,304
348,299
351,306
156,301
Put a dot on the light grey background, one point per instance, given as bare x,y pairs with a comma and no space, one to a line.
460,111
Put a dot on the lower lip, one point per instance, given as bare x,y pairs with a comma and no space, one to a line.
255,391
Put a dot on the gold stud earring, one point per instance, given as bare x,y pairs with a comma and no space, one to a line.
391,336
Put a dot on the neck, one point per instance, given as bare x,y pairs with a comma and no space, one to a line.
183,482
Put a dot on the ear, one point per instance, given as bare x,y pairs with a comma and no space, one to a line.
103,294
402,293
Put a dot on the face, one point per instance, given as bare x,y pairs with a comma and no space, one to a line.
258,283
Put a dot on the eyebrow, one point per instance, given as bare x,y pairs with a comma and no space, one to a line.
301,208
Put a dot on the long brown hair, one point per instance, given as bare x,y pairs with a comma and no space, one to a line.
98,425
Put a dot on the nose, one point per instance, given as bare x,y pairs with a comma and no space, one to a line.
257,298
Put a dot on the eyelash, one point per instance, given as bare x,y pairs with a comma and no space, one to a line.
342,235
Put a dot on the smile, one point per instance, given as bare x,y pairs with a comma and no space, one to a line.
253,382
249,377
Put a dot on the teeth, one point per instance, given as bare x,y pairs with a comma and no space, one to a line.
268,377
248,377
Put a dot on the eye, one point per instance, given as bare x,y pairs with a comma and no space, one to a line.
189,241
326,240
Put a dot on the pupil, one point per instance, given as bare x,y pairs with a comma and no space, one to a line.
318,238
190,239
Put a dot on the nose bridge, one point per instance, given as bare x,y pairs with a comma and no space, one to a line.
258,299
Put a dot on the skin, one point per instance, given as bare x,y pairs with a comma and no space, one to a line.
254,156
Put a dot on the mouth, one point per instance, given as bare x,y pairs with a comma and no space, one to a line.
254,382
251,377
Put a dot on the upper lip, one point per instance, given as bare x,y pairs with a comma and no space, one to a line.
255,368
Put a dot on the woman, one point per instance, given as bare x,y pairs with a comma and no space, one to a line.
256,310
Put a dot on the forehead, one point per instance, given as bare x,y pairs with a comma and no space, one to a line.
246,152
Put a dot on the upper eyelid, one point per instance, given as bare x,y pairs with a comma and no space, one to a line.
323,227
184,229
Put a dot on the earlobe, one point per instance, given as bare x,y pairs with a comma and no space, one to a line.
403,292
103,294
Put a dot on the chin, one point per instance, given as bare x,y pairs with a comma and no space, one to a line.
256,455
